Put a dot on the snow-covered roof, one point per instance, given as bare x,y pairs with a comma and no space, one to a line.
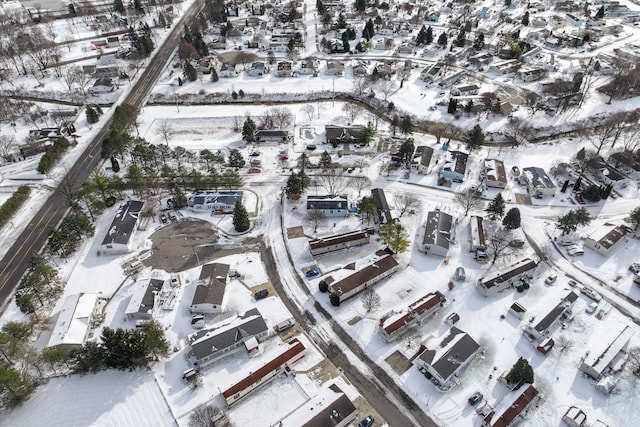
453,352
494,170
437,229
143,299
538,177
73,320
598,360
124,223
608,236
329,407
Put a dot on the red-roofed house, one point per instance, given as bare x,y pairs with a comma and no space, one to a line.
263,374
393,325
516,405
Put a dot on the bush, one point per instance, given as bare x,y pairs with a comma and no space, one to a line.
52,155
592,193
234,95
110,201
323,286
335,299
11,206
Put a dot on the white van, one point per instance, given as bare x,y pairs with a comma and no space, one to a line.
566,241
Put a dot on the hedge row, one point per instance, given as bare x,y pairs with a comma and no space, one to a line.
14,202
52,155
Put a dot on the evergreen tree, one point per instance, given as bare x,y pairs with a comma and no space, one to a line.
178,196
92,115
442,40
249,130
334,298
496,207
429,36
578,185
214,74
512,219
525,19
118,7
475,138
634,218
236,160
564,186
325,160
453,106
600,13
592,193
341,22
367,134
371,30
189,72
406,151
521,372
320,7
293,189
507,3
345,42
394,236
407,125
421,38
478,42
461,39
573,219
240,218
360,5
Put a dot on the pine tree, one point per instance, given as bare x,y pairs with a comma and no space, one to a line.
236,160
453,106
525,19
634,218
521,372
240,218
214,75
478,42
495,209
429,36
564,186
406,151
293,189
407,125
249,130
421,38
442,40
475,138
512,219
325,160
461,39
600,13
189,72
92,115
118,7
578,185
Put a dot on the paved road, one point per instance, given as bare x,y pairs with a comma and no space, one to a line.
32,239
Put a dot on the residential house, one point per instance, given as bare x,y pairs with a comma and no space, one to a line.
392,325
513,407
465,90
102,85
386,30
332,206
258,69
505,67
331,407
295,351
118,239
500,280
307,67
573,20
98,44
209,295
422,159
242,330
221,201
574,417
538,182
432,73
363,274
143,300
451,79
532,74
338,242
106,71
342,134
546,325
454,166
609,356
606,238
228,70
406,48
384,213
203,65
284,69
272,135
477,241
74,321
444,361
626,162
334,68
495,175
438,232
113,41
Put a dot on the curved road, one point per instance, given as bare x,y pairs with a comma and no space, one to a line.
14,264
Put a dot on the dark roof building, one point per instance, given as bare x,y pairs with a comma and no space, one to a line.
329,408
340,241
334,206
123,227
342,134
437,233
503,279
211,288
384,214
543,327
512,407
143,300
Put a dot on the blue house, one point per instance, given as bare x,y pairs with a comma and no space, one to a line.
258,69
454,166
333,206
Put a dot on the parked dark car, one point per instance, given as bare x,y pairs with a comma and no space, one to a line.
261,294
367,422
516,243
475,398
163,218
313,272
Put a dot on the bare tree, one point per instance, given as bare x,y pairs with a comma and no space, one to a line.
583,158
518,130
412,337
370,300
282,117
205,415
360,183
6,144
630,138
563,343
333,180
533,102
351,110
407,203
498,244
361,84
469,199
165,130
386,87
310,110
633,363
315,218
361,163
237,123
245,58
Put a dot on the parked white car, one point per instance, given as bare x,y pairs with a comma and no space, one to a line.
590,293
575,250
550,280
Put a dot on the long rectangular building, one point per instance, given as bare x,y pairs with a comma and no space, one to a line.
597,361
503,279
337,242
393,325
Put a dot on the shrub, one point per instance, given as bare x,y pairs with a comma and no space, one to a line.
323,286
335,299
52,155
11,206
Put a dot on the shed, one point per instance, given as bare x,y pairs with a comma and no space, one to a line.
518,310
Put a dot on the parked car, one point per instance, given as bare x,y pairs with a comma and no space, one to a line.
575,250
254,154
550,280
311,147
566,241
573,283
313,272
515,171
579,198
475,398
590,293
255,170
261,294
634,268
591,308
163,218
367,422
173,217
